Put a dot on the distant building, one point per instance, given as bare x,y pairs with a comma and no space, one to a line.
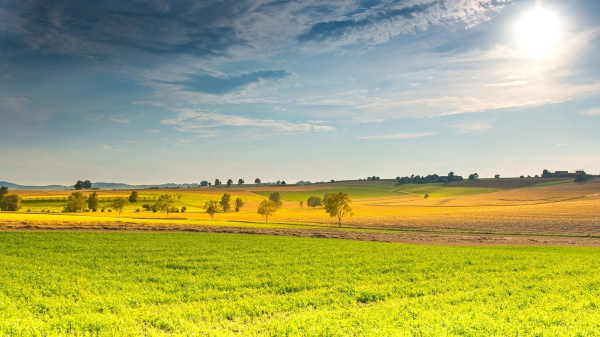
565,174
445,179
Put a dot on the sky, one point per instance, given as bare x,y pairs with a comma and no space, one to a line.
156,91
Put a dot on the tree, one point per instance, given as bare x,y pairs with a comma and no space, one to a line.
239,203
76,202
134,197
178,196
119,204
313,202
11,202
276,198
338,205
325,197
217,182
165,203
3,192
241,182
229,182
87,185
257,181
283,182
93,201
204,183
212,207
78,185
426,196
497,176
225,202
301,204
473,176
546,174
451,176
266,208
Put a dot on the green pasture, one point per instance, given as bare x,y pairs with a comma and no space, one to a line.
384,190
169,284
192,201
552,183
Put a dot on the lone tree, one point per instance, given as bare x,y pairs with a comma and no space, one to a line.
87,185
76,202
3,192
276,198
93,201
165,203
10,202
257,181
473,176
266,208
225,199
229,182
239,203
119,204
217,182
178,196
497,176
212,207
338,205
301,204
314,202
426,196
134,197
241,182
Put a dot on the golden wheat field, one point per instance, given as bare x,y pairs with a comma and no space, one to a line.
503,206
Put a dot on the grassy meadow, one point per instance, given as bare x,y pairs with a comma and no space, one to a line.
180,284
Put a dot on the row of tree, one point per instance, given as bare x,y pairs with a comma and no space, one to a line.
83,185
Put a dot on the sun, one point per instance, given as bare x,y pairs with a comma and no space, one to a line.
538,32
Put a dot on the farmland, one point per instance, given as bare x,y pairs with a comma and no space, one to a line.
503,206
494,257
157,284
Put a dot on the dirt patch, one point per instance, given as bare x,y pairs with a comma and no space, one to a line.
430,238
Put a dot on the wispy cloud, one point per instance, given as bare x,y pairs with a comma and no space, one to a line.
219,85
473,126
110,148
149,103
398,136
592,112
189,120
111,118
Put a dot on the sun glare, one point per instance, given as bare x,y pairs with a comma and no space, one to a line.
539,32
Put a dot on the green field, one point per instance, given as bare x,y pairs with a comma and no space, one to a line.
149,284
192,201
384,190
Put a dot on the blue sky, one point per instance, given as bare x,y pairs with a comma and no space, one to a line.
157,91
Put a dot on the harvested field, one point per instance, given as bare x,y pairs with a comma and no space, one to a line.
571,209
413,237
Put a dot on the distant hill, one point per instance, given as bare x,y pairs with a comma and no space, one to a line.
100,185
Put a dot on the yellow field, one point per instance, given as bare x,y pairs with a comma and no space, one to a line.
565,208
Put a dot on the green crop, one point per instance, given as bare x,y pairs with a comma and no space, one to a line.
183,284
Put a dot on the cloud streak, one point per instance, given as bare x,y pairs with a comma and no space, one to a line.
219,85
189,120
398,136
